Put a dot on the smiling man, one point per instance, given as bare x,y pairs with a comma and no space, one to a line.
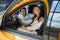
24,16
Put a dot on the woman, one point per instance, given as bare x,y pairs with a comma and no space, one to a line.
37,20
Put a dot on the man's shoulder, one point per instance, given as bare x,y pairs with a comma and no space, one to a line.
19,14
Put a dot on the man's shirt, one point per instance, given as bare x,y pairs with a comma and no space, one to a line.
26,19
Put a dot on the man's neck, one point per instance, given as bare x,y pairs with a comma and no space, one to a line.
23,15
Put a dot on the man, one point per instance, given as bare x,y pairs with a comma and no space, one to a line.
25,17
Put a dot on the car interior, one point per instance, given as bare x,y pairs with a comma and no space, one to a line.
10,23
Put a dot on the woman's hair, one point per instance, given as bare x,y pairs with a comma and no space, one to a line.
40,8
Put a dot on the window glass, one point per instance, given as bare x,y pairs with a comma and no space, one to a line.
26,20
4,4
53,5
54,24
49,18
58,8
56,20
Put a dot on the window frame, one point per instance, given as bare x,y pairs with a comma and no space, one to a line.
21,33
55,11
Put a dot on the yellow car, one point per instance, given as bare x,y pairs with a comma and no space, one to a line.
50,30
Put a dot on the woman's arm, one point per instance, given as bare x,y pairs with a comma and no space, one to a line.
36,26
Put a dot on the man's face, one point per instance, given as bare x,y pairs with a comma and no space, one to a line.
23,12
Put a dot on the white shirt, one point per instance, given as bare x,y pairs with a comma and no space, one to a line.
26,19
35,25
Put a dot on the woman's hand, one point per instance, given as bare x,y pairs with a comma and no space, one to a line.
24,27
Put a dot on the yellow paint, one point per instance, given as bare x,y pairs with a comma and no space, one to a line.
7,36
59,35
0,17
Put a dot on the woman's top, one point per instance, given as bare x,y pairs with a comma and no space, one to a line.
36,25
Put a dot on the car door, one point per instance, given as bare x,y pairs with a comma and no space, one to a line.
18,34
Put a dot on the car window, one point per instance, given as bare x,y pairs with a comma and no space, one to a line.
53,5
4,4
57,9
51,29
24,19
56,20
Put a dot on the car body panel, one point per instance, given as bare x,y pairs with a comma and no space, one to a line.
8,36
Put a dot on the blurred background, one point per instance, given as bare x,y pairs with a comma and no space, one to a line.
4,4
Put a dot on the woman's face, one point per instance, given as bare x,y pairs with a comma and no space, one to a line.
36,10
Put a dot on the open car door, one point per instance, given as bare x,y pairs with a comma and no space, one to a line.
10,34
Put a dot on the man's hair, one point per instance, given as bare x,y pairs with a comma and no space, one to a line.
23,8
